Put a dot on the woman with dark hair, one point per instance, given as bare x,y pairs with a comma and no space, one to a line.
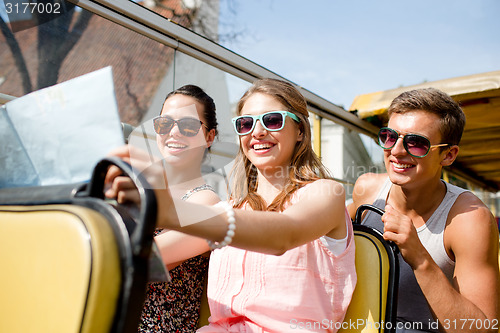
185,128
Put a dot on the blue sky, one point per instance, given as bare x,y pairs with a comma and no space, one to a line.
339,49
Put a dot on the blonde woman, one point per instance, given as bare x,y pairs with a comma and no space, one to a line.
283,247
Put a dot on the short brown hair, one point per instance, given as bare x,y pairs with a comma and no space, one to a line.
437,102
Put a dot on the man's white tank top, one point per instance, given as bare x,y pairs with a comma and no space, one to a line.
412,306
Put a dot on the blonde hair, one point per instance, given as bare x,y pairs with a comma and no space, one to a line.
305,166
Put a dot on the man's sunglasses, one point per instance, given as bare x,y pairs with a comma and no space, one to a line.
271,121
416,145
187,126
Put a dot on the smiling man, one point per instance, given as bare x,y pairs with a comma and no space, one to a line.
447,237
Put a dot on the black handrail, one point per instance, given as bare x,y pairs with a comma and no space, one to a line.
141,236
392,253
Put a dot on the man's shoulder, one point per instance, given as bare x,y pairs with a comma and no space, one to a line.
371,179
367,186
470,217
468,204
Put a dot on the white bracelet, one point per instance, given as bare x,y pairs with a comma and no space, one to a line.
231,226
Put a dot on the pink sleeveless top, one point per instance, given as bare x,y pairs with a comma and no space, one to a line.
307,288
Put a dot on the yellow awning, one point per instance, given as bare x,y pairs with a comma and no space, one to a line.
479,96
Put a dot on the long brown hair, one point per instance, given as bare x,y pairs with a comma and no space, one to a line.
305,166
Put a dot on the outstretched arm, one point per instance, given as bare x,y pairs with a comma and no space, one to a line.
320,211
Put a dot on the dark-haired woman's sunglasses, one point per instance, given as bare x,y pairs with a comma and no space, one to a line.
187,126
271,121
416,145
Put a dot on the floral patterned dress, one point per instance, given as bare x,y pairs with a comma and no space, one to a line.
175,306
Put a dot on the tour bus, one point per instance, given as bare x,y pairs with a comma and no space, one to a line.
79,77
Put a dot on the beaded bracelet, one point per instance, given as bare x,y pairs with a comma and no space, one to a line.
231,226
